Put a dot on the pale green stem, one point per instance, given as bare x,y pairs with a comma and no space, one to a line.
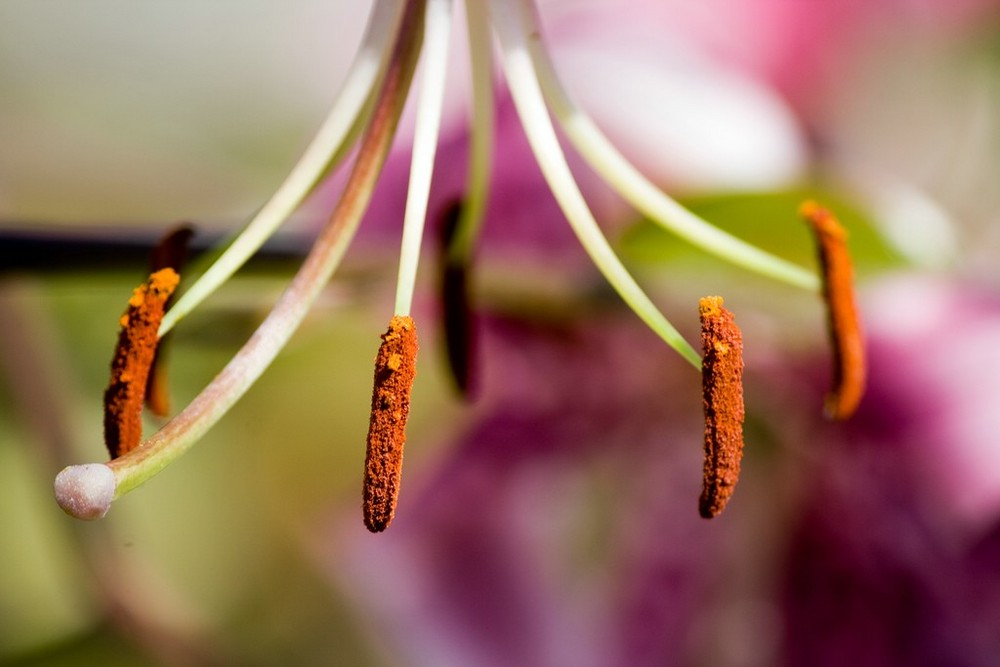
481,140
638,190
328,146
430,102
178,435
530,105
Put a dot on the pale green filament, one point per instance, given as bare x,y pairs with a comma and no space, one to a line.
607,161
328,146
481,140
530,104
425,139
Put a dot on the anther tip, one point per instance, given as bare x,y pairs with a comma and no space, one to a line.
164,281
809,209
822,219
710,306
85,491
377,525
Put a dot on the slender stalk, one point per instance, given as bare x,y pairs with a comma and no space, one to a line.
635,188
327,148
425,140
481,140
530,104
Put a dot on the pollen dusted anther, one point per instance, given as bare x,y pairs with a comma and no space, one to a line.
722,398
130,366
849,365
169,253
395,369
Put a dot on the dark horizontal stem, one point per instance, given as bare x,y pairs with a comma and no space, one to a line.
60,250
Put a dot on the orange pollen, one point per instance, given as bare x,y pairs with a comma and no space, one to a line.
722,399
133,357
395,369
843,321
170,252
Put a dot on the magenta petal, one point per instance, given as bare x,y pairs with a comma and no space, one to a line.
936,376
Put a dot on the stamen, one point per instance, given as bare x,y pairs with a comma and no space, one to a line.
722,398
531,108
181,432
169,253
130,366
638,190
425,140
457,315
328,147
395,369
844,324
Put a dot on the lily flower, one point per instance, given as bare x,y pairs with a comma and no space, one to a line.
400,35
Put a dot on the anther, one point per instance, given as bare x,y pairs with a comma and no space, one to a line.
843,321
169,253
456,313
395,369
130,365
722,398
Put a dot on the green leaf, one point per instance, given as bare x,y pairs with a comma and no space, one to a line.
769,220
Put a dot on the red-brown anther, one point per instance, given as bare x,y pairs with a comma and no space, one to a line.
722,398
133,356
395,369
169,253
457,314
844,324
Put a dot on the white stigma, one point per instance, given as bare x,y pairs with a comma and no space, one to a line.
85,491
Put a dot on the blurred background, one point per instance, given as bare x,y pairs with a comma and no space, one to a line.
552,520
